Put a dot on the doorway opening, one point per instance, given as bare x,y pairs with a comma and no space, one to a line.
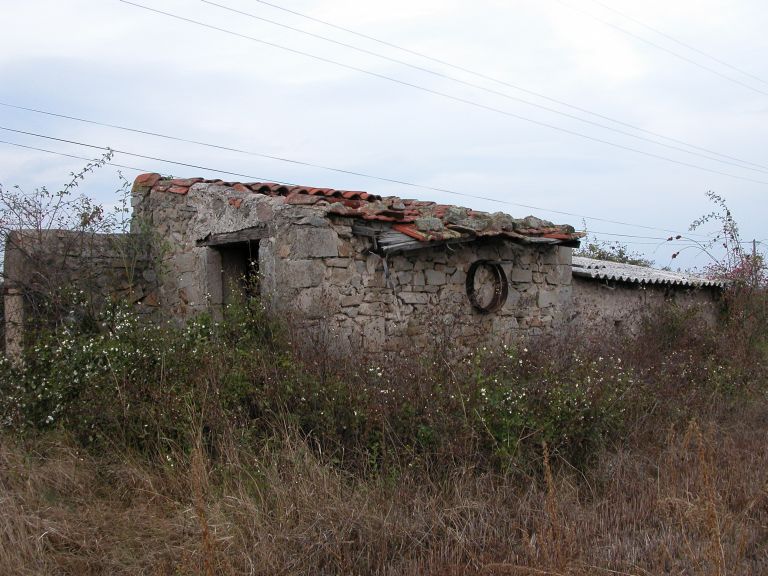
239,271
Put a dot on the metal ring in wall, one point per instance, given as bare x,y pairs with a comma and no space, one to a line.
500,286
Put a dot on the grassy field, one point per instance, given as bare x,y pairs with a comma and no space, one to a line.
226,453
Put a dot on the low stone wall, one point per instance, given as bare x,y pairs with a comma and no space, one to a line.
38,265
622,306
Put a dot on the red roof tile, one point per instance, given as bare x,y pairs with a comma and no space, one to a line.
421,220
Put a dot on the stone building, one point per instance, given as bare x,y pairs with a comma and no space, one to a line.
369,273
351,270
613,295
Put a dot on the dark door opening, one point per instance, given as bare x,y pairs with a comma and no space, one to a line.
239,271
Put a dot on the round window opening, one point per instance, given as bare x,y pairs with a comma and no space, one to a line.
487,286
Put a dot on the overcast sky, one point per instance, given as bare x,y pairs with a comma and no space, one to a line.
111,62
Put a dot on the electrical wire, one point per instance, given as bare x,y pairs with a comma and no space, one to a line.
442,94
678,42
135,155
659,47
256,178
502,82
85,158
322,167
739,164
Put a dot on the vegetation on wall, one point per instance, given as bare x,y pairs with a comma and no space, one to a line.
612,251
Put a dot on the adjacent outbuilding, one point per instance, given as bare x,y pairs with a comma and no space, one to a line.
616,295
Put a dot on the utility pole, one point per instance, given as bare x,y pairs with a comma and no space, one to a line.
754,263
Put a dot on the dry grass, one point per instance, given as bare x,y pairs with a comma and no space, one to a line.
695,503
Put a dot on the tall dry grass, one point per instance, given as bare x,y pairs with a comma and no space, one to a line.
697,504
576,456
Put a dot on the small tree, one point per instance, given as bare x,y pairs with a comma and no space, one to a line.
45,231
741,264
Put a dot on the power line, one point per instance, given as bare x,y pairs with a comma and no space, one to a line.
501,82
70,155
135,155
257,178
442,94
738,164
665,239
657,244
678,238
678,42
319,166
86,159
660,47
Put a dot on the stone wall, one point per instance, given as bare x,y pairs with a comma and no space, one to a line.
415,299
38,265
602,305
316,272
191,275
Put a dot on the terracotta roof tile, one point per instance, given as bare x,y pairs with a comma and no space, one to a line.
421,220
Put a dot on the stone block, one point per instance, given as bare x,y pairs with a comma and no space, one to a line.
316,302
439,257
548,298
418,278
559,275
352,300
341,276
401,263
435,277
351,312
283,250
372,309
413,297
314,220
551,255
458,277
521,275
186,262
384,296
343,231
303,273
314,243
373,333
375,280
414,327
505,327
338,262
404,278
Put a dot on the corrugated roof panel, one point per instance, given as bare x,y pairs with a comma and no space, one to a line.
620,272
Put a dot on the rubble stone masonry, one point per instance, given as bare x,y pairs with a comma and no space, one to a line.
314,270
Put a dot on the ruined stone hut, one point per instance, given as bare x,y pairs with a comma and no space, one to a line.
354,272
368,273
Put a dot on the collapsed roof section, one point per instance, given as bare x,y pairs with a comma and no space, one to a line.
394,223
619,272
